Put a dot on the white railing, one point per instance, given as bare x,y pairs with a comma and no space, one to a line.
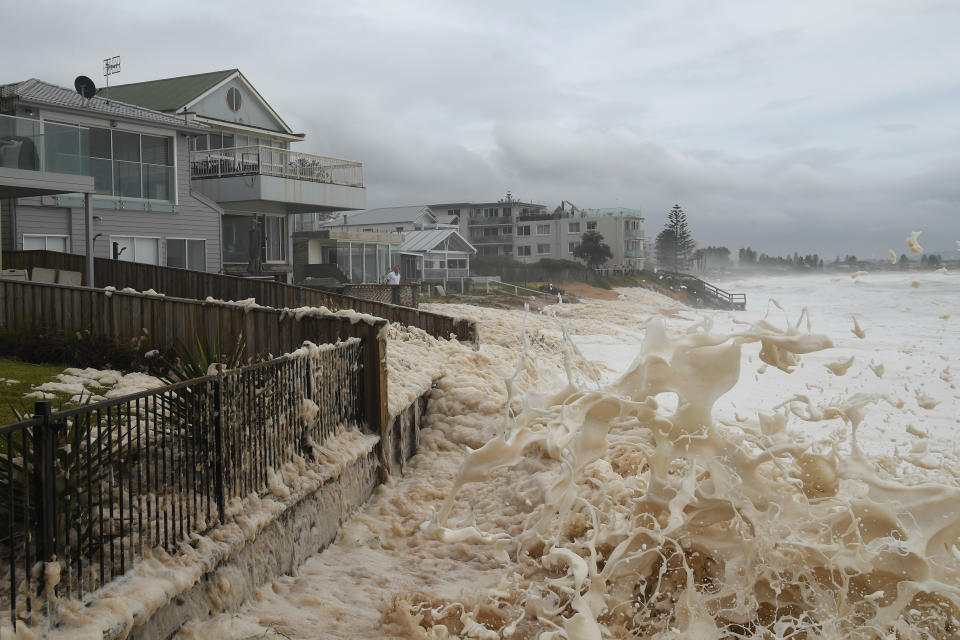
444,274
271,161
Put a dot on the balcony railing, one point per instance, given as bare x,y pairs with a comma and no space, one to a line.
270,161
634,233
35,145
434,275
489,220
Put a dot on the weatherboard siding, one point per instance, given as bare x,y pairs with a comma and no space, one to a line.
192,218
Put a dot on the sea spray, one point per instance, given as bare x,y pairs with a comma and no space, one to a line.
716,532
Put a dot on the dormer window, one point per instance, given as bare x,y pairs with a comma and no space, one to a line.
234,99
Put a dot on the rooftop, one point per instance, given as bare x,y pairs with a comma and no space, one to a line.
383,215
35,91
167,94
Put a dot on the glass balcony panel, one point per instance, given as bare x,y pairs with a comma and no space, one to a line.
102,170
157,182
126,176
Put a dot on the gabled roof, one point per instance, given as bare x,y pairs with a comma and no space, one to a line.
35,91
445,219
181,93
168,94
432,239
385,215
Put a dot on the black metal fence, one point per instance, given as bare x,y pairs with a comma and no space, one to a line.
98,486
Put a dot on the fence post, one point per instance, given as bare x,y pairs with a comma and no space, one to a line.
218,446
375,393
44,442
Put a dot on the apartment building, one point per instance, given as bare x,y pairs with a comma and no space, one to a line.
557,235
489,226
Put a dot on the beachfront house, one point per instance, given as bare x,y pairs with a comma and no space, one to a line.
59,150
244,161
364,245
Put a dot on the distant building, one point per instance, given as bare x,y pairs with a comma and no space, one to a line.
243,161
489,226
528,232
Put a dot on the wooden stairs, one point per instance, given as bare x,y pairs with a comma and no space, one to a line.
702,294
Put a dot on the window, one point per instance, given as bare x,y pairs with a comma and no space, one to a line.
573,227
457,263
523,250
48,243
132,165
571,246
543,229
187,253
523,229
490,232
508,250
507,211
274,239
507,231
543,249
453,212
236,238
234,99
135,249
592,226
490,212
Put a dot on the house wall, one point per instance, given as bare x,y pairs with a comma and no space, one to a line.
251,113
191,217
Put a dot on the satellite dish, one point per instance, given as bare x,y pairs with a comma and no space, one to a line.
85,87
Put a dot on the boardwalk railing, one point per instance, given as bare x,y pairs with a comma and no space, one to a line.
98,486
702,292
198,285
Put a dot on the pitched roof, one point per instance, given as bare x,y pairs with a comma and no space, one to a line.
43,93
384,215
430,239
167,94
445,219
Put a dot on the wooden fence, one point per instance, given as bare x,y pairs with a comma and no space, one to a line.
164,322
199,285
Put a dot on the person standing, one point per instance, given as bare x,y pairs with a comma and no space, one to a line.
393,279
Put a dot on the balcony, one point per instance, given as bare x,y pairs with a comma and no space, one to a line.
634,233
481,221
43,158
476,240
301,181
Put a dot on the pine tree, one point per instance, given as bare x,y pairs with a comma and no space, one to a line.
678,244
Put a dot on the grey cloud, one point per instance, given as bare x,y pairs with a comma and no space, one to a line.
895,127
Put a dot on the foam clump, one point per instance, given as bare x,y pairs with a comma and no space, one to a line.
658,523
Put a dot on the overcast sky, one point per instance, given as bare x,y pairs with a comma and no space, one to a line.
827,127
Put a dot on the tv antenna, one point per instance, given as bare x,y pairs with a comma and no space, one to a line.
85,87
110,67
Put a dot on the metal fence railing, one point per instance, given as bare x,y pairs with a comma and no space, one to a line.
271,161
97,486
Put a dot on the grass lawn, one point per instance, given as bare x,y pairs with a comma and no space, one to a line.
26,374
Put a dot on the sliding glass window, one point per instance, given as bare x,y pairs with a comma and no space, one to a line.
131,165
